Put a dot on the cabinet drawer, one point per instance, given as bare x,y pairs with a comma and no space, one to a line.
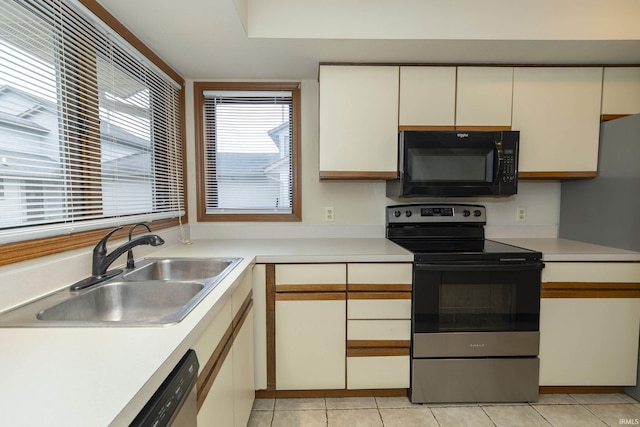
379,309
380,273
591,272
379,329
290,275
378,372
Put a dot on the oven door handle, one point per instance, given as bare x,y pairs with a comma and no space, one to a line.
480,267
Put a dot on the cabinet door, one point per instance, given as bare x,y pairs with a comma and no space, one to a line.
427,96
358,122
484,96
310,344
557,111
621,90
243,381
218,410
589,341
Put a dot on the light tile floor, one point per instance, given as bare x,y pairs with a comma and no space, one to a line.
560,410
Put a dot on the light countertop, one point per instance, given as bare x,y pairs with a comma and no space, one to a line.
563,250
103,376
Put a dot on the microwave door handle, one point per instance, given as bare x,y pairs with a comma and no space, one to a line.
498,165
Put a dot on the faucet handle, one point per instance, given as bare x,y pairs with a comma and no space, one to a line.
101,247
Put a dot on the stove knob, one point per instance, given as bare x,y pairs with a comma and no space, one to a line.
466,212
408,213
397,213
477,212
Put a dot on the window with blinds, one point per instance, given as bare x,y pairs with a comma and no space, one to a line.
249,144
90,132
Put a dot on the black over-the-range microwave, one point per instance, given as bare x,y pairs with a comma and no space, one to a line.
456,163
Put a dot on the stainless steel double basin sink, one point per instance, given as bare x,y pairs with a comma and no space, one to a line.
159,291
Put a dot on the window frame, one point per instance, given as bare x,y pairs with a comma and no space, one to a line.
30,249
199,121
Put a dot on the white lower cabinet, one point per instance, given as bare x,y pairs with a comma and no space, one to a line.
589,341
310,344
227,345
243,380
218,408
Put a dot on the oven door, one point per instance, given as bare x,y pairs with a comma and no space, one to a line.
478,297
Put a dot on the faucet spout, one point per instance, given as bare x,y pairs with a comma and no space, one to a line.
105,261
130,261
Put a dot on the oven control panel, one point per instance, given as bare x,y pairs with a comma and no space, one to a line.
436,213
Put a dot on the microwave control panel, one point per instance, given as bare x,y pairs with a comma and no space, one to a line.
509,166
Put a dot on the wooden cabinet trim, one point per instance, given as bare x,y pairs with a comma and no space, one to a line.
456,127
378,343
377,352
378,348
357,175
412,127
284,394
310,296
312,288
271,325
556,175
379,295
607,117
213,366
590,290
211,369
374,287
581,389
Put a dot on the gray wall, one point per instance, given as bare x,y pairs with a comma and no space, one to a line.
606,210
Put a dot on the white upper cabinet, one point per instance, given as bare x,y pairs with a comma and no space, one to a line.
358,121
427,96
557,111
621,90
484,96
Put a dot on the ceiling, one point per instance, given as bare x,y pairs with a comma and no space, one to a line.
205,39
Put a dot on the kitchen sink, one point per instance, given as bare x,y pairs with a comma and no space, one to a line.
159,291
178,269
128,302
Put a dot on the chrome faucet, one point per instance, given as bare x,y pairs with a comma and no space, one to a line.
102,260
130,262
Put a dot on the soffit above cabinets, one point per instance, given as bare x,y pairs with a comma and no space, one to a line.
286,39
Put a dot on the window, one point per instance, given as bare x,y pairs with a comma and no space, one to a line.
247,137
90,130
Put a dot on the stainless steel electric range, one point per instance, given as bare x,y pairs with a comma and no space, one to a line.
475,307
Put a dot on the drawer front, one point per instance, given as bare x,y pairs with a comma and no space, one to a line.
311,277
379,329
380,273
379,309
378,372
591,272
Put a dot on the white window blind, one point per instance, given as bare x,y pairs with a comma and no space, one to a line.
248,153
90,133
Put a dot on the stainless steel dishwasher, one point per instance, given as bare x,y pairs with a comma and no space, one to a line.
174,403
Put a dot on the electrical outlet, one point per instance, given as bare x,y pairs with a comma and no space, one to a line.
521,214
329,214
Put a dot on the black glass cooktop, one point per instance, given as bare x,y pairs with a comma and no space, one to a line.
465,250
